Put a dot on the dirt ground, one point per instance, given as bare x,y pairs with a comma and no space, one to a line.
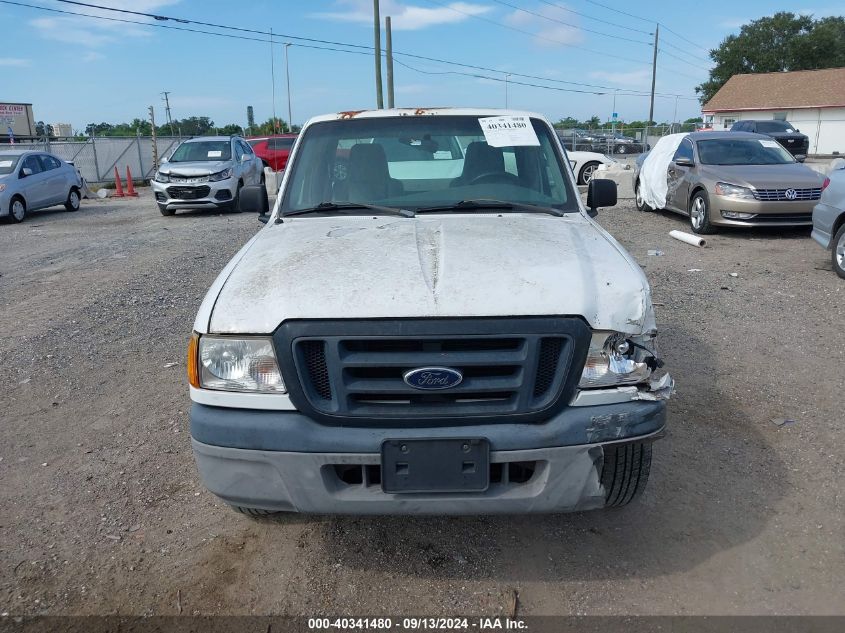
103,511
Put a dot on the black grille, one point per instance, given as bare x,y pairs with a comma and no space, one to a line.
547,365
781,194
188,193
510,367
785,218
314,355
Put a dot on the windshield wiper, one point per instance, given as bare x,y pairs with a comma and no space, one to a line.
327,207
481,204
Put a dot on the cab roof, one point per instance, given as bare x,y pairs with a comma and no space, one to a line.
436,111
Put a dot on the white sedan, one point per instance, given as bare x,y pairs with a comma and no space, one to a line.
585,164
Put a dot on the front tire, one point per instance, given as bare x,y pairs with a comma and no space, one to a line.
17,209
622,149
73,199
165,211
699,214
587,172
838,252
638,199
254,512
625,472
235,205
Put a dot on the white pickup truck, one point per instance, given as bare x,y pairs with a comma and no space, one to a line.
430,322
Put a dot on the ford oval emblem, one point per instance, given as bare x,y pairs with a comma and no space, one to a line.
430,378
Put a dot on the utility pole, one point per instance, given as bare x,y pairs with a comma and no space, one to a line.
506,89
377,47
653,78
389,33
613,114
273,82
155,143
287,76
167,111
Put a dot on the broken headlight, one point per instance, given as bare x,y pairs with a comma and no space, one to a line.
618,359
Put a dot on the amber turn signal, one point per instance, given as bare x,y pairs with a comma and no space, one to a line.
193,360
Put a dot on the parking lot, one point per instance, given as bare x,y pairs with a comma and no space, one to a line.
103,510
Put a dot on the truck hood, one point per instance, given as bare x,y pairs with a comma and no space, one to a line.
432,266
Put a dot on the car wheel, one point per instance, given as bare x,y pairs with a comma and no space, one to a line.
622,149
72,202
624,472
838,252
699,214
17,209
587,171
235,205
638,199
165,211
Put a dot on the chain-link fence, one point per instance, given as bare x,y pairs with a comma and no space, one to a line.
97,157
620,139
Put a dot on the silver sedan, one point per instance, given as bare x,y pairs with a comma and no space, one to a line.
36,180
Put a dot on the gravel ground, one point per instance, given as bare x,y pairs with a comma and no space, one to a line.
103,511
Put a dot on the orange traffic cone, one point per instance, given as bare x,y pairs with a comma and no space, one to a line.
130,189
118,188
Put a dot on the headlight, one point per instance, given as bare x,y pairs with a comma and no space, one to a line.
160,177
221,175
734,191
238,364
613,360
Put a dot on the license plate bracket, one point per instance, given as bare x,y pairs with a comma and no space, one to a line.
435,465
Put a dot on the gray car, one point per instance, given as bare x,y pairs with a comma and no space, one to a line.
723,179
36,180
829,219
206,172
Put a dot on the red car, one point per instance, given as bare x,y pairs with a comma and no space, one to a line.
273,150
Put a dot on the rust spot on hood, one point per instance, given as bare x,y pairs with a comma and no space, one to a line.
349,114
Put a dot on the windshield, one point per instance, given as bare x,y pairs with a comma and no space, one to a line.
746,151
774,126
7,163
426,161
196,151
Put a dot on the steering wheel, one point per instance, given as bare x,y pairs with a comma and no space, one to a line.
497,176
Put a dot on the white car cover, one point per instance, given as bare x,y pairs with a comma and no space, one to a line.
654,184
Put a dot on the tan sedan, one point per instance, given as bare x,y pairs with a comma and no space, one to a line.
737,179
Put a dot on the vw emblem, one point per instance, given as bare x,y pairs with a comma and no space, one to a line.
790,194
431,378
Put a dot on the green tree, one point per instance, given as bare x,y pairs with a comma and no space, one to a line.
777,43
273,126
250,119
229,130
696,119
568,123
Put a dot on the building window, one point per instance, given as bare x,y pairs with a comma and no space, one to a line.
779,116
728,123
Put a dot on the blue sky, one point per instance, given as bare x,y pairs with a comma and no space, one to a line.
80,70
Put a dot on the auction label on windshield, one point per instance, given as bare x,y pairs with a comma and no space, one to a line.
508,131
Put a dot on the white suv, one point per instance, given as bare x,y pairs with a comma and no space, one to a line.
430,322
206,172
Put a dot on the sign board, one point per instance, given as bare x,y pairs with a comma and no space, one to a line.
18,117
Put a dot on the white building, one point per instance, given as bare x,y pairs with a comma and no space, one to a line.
813,101
62,129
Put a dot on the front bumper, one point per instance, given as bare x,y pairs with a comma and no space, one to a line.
282,460
5,202
767,213
824,221
174,196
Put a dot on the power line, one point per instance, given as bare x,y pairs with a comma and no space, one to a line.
574,26
681,37
366,49
536,35
589,17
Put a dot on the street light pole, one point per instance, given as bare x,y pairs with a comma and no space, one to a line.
287,76
613,114
506,89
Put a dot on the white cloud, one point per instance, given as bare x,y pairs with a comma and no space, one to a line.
95,32
14,61
632,78
404,17
548,30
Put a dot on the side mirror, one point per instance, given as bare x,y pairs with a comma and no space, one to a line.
684,162
254,199
244,158
25,171
800,157
601,192
163,160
